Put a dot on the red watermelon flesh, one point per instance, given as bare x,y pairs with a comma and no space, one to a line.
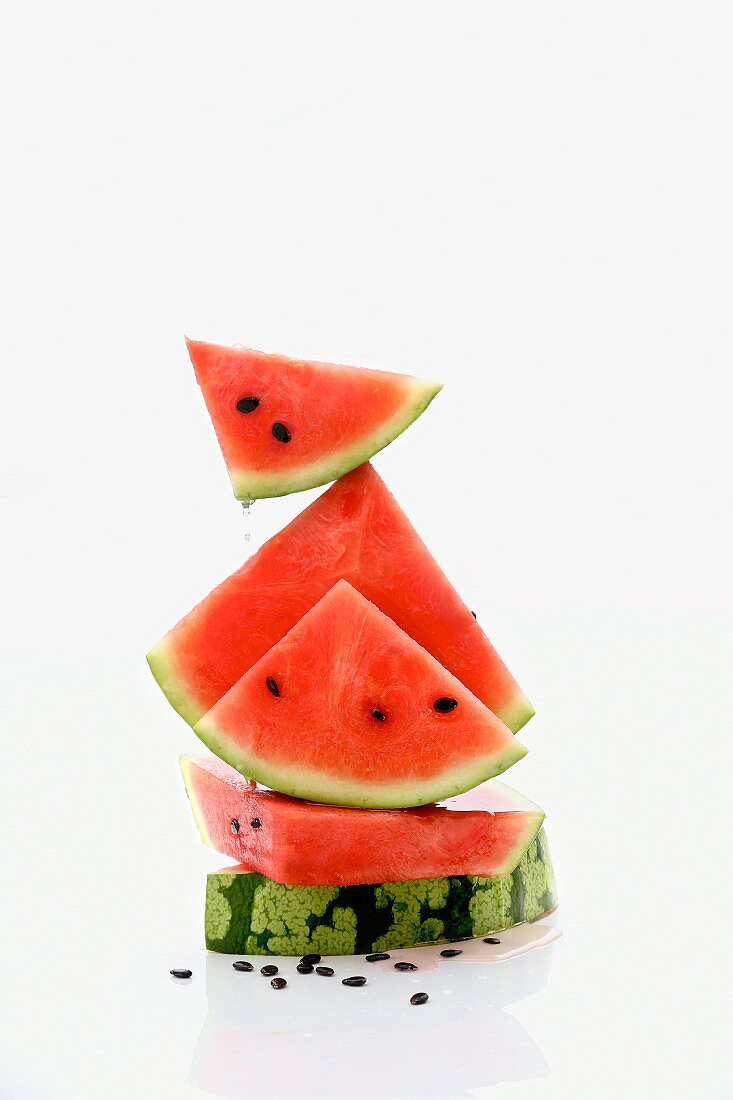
288,424
348,709
297,843
355,530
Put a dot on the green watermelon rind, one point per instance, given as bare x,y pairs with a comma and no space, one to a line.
169,681
256,485
249,914
316,786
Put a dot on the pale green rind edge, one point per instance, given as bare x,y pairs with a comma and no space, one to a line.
185,765
522,845
517,713
256,486
321,787
162,668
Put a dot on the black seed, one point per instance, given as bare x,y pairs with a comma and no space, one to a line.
278,983
491,939
358,979
379,716
234,826
280,432
419,999
444,705
269,970
248,404
326,971
451,952
474,615
304,968
272,686
405,966
241,964
311,959
181,973
255,823
378,956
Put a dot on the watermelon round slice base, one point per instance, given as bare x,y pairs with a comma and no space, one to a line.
247,913
300,843
348,709
285,425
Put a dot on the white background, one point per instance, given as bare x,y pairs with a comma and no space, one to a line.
531,202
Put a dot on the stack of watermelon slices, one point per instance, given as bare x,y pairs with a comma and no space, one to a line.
349,694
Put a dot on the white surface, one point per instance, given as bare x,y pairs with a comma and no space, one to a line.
531,202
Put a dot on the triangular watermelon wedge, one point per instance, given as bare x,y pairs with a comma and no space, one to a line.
285,425
485,832
355,530
348,709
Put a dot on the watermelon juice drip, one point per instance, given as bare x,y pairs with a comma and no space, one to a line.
339,665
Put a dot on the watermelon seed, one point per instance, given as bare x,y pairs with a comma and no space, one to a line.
272,687
419,999
269,970
445,705
491,939
278,983
181,973
304,968
451,952
234,826
255,823
281,433
378,956
405,966
241,964
326,971
356,980
379,715
248,404
311,959
475,615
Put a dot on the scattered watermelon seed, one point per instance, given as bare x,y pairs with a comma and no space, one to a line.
304,968
474,615
379,715
255,823
358,979
444,705
281,433
272,687
278,983
311,959
405,966
234,826
181,973
326,971
378,956
248,404
269,970
419,999
491,939
242,964
451,952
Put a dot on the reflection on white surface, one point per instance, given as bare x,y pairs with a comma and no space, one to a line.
320,1038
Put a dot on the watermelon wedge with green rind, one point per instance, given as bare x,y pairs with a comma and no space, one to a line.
301,843
355,530
247,913
348,709
290,424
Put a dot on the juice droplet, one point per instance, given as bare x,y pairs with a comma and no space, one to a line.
246,507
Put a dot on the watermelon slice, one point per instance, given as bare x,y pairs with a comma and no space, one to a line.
287,424
348,709
304,844
355,530
247,913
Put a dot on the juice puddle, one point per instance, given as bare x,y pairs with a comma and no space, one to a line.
514,941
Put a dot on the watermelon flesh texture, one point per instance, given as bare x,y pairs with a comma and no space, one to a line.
331,418
356,531
305,844
348,709
247,913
